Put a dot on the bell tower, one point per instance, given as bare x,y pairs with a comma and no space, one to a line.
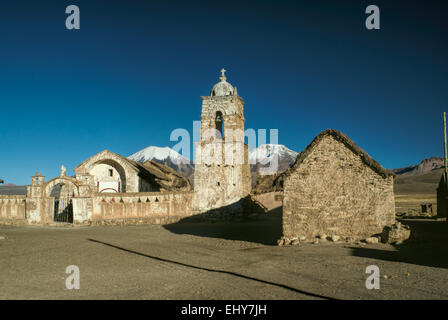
222,173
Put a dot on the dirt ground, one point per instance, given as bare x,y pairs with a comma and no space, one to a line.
237,260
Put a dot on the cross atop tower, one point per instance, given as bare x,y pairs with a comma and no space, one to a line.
223,76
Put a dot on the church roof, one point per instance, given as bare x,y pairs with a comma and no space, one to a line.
108,155
339,136
167,177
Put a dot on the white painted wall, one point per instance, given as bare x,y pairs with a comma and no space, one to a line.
101,174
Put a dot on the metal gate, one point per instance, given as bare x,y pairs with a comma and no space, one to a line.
63,210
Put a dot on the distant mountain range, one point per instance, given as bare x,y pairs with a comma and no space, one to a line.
165,156
259,158
422,177
263,157
425,166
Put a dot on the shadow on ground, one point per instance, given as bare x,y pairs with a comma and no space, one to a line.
238,275
267,229
427,246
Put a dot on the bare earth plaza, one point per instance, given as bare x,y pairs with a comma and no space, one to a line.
356,210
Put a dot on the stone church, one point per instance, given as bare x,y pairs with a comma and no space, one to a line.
108,188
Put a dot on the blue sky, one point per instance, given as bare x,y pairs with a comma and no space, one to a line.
135,71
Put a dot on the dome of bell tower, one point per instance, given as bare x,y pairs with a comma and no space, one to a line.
222,88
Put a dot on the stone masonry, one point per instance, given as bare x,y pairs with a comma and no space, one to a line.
336,189
222,174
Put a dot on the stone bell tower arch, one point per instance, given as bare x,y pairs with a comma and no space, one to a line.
222,173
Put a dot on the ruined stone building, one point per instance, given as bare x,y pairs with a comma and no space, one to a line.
336,188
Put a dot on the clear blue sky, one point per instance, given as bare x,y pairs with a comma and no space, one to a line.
136,70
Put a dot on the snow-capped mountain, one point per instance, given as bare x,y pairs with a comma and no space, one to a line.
264,157
165,156
259,158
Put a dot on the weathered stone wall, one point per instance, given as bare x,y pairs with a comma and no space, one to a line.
104,208
333,192
271,200
228,105
218,184
89,206
82,209
150,207
12,209
40,210
222,174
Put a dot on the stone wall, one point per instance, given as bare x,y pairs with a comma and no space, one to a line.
104,208
150,207
222,174
78,197
334,192
271,200
228,105
217,182
12,209
40,210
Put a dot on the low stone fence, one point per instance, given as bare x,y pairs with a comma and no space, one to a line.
12,209
132,208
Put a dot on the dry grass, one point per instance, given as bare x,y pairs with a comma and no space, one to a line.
411,203
414,190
